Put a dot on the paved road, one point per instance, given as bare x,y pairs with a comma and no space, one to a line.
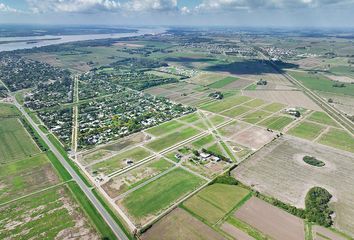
109,220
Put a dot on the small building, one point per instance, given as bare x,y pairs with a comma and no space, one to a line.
204,155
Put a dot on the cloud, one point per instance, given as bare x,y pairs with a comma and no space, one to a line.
5,8
267,4
40,6
150,5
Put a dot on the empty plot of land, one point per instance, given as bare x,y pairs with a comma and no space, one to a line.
236,111
215,201
256,116
165,128
291,98
52,214
119,161
145,202
278,170
133,178
343,79
223,82
224,104
321,233
253,138
7,110
16,143
180,225
26,176
306,130
235,232
276,122
271,220
323,118
239,84
273,107
339,139
232,128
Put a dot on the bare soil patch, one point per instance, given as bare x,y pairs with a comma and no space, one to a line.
235,232
271,220
343,79
278,170
320,233
291,98
180,225
253,138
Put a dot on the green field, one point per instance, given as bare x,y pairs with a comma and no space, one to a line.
254,103
321,83
16,143
161,193
236,111
224,104
306,130
215,148
7,110
118,161
190,118
215,201
323,118
165,128
339,139
26,176
171,139
216,120
256,116
203,141
276,122
273,107
223,82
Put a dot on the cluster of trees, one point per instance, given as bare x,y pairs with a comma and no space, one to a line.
226,179
33,134
223,158
216,95
313,161
317,208
338,84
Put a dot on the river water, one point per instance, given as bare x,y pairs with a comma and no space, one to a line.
67,38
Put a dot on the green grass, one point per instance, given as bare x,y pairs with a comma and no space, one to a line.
161,193
15,141
62,172
306,130
190,118
26,176
321,83
276,122
165,128
251,87
229,151
203,141
254,103
171,139
237,111
118,161
273,107
323,118
43,129
256,116
216,120
223,82
215,201
8,110
224,104
339,139
215,148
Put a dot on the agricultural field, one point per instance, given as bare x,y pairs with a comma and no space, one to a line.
294,177
16,143
149,200
306,130
215,201
225,103
164,128
322,118
276,122
339,139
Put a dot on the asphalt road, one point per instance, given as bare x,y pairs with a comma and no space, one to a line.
109,220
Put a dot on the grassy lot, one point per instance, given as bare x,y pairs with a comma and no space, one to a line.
203,141
223,82
321,83
323,118
276,122
159,194
16,143
236,111
44,216
216,120
118,161
171,139
190,118
215,148
26,176
254,103
224,104
165,128
306,130
256,116
8,110
339,139
274,107
215,201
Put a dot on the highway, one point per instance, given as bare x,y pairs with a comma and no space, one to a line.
106,216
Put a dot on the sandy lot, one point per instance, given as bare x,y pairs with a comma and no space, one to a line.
235,232
291,98
271,220
279,171
253,138
180,225
343,79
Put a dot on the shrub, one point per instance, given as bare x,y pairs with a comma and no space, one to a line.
313,161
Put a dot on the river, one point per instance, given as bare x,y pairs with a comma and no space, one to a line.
31,42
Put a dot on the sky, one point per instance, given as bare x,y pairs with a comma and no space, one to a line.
256,13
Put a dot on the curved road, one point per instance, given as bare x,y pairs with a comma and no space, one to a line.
106,216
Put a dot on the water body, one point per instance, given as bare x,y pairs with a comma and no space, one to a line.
46,40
